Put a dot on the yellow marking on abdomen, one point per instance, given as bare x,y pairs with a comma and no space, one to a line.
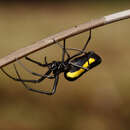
78,72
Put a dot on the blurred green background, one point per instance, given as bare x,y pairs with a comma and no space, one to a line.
98,100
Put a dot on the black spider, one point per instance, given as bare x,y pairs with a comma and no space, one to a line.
73,67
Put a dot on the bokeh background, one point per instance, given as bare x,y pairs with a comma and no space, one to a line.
98,100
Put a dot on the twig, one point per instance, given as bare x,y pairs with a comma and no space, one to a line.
63,35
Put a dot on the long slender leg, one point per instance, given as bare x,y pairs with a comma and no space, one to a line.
72,49
38,63
20,78
48,65
82,51
75,49
47,92
63,53
89,38
91,53
28,70
34,73
39,91
63,47
24,80
78,66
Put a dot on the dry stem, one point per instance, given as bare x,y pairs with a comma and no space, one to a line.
63,35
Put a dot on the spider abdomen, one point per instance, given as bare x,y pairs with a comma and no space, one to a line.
87,61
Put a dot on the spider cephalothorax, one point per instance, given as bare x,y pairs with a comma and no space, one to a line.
57,67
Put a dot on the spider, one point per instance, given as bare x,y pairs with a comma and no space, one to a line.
73,67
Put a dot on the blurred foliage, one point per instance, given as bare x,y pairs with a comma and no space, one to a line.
98,100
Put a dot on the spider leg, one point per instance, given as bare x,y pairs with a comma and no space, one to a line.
63,54
47,92
82,51
43,65
64,46
81,66
34,73
78,66
24,80
20,78
89,38
73,49
38,91
48,65
28,70
65,50
38,63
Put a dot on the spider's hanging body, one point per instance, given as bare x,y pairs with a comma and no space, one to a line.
73,67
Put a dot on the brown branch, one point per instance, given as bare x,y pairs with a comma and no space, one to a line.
63,35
